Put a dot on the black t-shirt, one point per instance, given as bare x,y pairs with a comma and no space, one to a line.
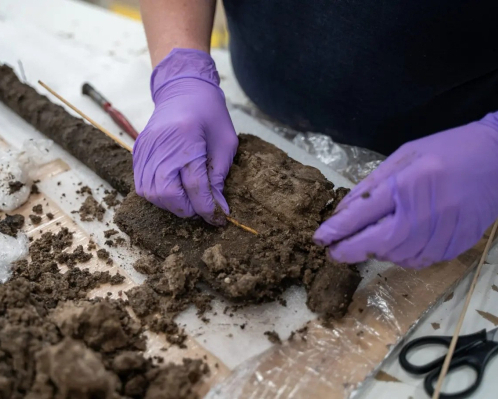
372,73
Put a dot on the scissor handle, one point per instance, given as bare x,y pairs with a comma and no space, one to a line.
477,359
464,342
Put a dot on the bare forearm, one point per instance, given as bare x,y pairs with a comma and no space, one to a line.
177,23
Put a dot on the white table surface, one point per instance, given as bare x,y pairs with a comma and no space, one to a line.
65,43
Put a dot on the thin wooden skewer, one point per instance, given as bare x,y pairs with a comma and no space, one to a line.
456,334
124,145
98,126
233,221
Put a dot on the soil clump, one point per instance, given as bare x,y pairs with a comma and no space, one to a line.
38,209
91,210
170,287
35,219
15,186
110,198
11,224
273,337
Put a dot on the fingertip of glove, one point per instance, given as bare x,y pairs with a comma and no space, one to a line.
325,235
340,255
218,218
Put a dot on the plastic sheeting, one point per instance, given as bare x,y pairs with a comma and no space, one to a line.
11,250
16,167
354,163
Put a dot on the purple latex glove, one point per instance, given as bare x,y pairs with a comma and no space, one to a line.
182,157
429,201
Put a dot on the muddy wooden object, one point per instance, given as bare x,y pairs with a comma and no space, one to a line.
100,153
281,199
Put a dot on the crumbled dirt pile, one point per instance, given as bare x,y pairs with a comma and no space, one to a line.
169,289
284,201
56,344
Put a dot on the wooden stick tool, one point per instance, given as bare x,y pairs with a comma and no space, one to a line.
123,144
92,122
456,334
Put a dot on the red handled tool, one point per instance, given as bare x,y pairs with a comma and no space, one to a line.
116,116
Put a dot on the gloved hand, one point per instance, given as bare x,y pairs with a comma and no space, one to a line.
182,157
429,201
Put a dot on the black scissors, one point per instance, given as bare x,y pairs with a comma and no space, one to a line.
473,350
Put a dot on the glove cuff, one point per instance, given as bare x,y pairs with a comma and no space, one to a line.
184,63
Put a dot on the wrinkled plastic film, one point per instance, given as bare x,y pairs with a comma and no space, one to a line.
11,250
15,187
354,163
15,172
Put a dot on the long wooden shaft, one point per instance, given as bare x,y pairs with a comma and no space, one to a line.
456,334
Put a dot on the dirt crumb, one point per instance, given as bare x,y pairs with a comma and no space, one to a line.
110,198
84,190
148,264
386,377
50,215
35,189
38,209
120,241
436,326
15,186
273,337
103,254
77,256
110,233
91,210
35,219
117,279
11,224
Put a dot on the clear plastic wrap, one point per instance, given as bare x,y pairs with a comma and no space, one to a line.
16,169
11,250
354,163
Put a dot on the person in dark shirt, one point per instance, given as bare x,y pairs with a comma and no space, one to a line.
387,76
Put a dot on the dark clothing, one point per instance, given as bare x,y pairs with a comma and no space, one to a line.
371,73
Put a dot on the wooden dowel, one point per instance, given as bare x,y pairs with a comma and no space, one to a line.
124,145
456,334
95,124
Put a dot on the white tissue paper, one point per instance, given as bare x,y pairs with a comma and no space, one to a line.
11,250
16,166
